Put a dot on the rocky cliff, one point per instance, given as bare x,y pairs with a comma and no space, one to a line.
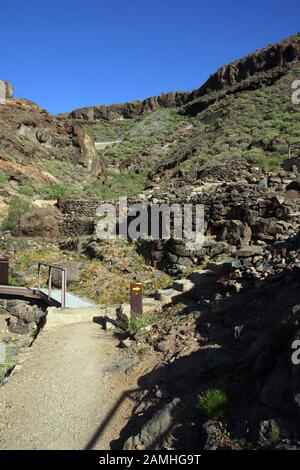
266,65
8,89
30,135
261,61
130,110
243,111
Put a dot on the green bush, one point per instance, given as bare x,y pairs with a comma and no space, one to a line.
141,321
8,365
3,179
54,191
214,403
127,184
17,207
26,190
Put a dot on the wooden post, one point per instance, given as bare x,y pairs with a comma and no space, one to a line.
4,270
136,298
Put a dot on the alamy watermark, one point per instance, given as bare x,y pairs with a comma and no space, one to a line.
296,354
296,92
141,221
2,92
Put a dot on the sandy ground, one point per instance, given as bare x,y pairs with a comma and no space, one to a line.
64,394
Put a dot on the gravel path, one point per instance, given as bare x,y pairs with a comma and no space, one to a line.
67,384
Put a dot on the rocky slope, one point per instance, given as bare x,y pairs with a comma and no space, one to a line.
269,62
30,137
130,110
243,110
260,62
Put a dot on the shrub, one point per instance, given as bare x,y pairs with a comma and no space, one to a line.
17,207
124,184
54,191
141,321
26,190
8,365
214,403
3,179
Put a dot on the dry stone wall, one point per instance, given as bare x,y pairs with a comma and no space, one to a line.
236,215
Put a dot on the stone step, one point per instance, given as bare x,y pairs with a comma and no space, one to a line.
183,285
66,316
167,296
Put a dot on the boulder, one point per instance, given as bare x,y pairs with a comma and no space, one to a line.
44,222
294,185
178,247
236,233
73,273
18,326
26,312
155,431
249,251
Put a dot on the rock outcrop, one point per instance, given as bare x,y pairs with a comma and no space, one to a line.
130,110
261,68
6,90
29,135
261,61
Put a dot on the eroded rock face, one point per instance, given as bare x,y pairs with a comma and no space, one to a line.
31,135
7,89
262,68
277,55
130,110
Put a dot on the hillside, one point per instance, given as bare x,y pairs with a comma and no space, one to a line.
210,361
244,110
37,149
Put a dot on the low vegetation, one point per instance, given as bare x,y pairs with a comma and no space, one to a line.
3,179
214,403
8,364
27,190
128,184
17,207
54,191
141,321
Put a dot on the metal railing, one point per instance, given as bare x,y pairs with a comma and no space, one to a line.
63,281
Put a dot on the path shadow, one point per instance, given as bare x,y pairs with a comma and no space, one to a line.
233,332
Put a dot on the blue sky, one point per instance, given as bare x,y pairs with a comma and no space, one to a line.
72,53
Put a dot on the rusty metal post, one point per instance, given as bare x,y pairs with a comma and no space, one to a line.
136,298
4,270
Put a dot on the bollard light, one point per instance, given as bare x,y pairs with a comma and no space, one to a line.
136,298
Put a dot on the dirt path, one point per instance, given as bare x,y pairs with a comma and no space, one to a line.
60,398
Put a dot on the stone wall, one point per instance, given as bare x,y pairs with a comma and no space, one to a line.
79,216
236,215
